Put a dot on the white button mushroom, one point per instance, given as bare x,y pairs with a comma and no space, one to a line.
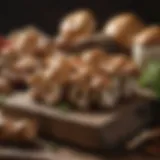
146,46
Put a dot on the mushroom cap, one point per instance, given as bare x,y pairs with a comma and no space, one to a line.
123,28
148,36
78,22
93,56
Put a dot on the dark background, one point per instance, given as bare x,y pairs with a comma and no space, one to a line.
46,14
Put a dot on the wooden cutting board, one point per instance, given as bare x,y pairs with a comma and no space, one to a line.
91,130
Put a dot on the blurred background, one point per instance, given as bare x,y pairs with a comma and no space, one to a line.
46,14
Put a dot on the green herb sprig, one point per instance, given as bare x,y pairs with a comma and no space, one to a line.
150,77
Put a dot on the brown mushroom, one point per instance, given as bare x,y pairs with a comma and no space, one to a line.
79,90
76,26
122,28
94,57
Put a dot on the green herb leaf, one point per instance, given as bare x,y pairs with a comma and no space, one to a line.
2,99
53,146
150,78
65,107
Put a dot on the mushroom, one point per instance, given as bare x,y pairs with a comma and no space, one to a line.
17,129
113,64
111,93
58,69
27,129
26,40
94,57
76,26
26,64
44,47
123,28
79,90
30,40
53,80
97,84
21,70
53,94
146,46
124,70
131,74
79,95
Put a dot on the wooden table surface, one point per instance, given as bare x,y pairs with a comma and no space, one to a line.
62,152
70,154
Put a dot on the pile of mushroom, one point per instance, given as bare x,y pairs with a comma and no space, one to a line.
28,53
24,54
93,77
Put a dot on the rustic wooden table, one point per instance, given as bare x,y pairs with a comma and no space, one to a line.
67,153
